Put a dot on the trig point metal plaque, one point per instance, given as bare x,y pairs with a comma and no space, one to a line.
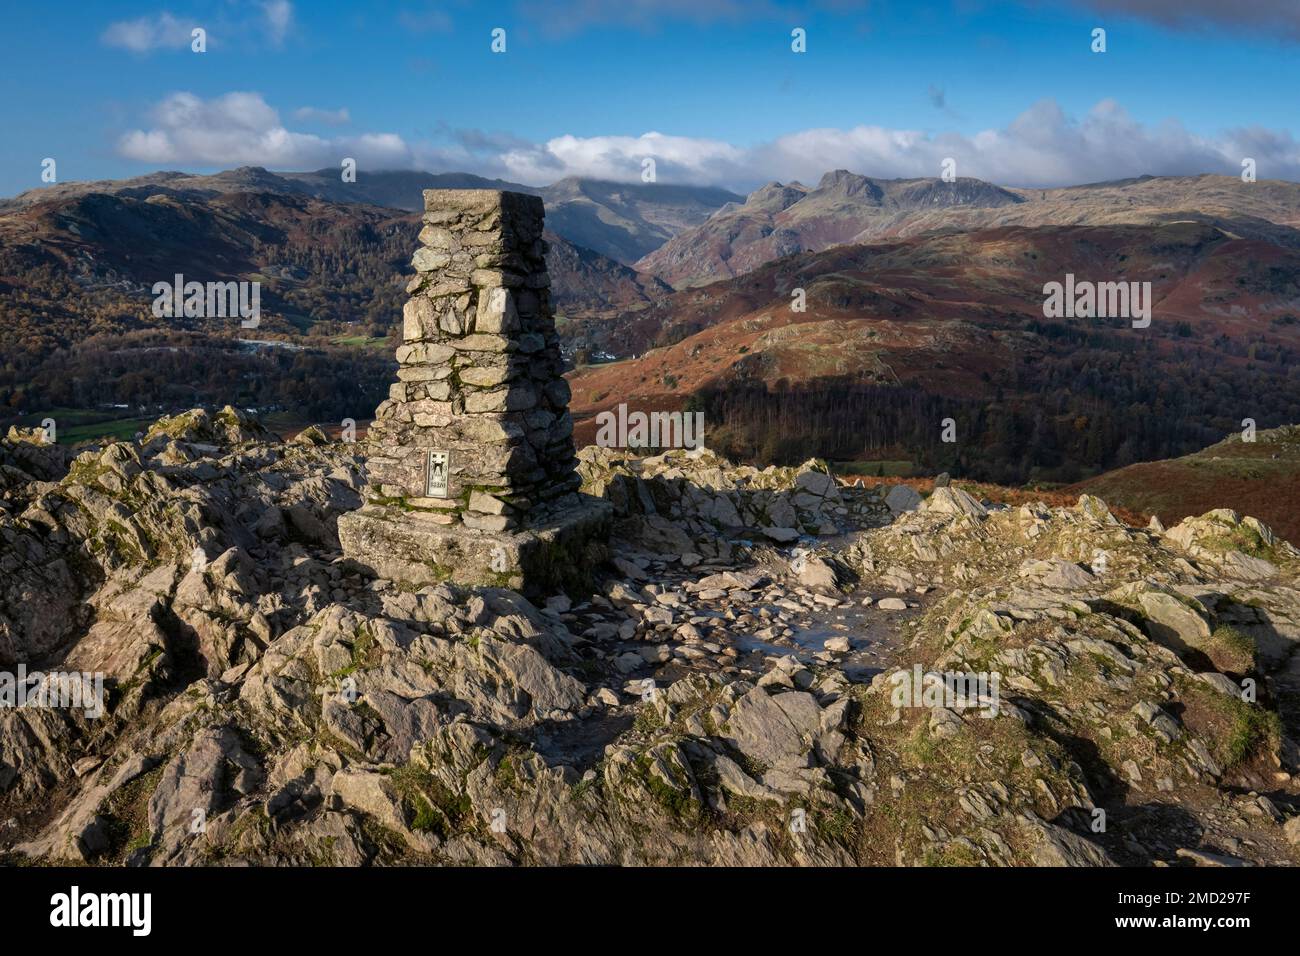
435,475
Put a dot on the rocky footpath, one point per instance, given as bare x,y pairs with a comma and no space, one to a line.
729,694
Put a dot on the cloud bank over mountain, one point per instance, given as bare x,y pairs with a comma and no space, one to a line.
1043,146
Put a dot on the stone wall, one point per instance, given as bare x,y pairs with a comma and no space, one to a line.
480,372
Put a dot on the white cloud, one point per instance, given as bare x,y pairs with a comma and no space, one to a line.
278,18
242,129
149,33
677,158
270,20
310,114
1043,146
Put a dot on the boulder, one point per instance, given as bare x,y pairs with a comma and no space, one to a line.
954,501
1175,621
901,498
772,730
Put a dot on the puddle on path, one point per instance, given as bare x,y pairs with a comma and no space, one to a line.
875,636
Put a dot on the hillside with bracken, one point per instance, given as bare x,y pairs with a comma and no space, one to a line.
77,268
898,336
1259,475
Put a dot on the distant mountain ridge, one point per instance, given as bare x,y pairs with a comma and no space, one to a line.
399,190
846,208
626,221
134,237
693,235
619,220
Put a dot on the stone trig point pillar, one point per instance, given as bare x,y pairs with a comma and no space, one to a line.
471,457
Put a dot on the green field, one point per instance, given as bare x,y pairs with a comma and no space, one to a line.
73,425
362,341
118,428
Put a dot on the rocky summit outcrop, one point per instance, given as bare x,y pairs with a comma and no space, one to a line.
764,673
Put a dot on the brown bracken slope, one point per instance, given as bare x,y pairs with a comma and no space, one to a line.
903,333
1260,478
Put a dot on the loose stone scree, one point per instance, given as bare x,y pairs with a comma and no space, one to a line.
471,459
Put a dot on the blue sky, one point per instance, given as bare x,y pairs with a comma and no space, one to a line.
1011,90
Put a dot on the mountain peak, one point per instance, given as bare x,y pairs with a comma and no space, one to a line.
842,179
773,196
